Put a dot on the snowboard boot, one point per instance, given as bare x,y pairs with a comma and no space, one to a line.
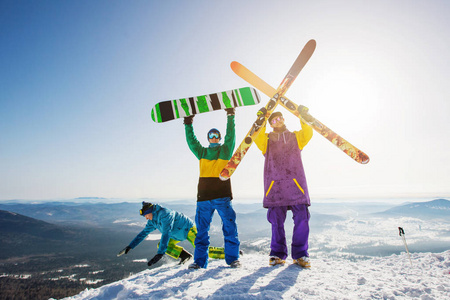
184,257
273,261
235,264
303,262
194,266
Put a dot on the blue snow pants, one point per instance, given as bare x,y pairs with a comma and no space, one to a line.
203,219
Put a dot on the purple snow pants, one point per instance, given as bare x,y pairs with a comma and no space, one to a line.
276,216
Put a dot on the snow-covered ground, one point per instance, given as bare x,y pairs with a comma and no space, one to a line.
331,277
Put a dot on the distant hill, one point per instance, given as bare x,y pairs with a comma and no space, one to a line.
13,223
21,235
59,259
435,209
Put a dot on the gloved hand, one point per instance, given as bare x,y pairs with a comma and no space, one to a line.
303,110
261,112
230,111
155,259
188,120
124,251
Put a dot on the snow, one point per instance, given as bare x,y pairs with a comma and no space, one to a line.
153,237
356,256
135,224
258,242
92,282
331,277
379,235
121,221
21,276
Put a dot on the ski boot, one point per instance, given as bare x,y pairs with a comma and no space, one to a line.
273,261
303,262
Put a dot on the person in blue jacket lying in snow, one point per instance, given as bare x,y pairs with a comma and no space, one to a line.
174,227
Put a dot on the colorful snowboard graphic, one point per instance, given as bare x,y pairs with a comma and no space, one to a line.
174,109
276,96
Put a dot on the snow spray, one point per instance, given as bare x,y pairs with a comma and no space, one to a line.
401,232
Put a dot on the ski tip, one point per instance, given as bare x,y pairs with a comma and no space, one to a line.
311,44
235,65
365,159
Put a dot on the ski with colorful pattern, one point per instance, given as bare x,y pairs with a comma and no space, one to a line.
276,96
174,109
352,151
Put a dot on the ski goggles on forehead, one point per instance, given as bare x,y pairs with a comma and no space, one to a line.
275,120
214,135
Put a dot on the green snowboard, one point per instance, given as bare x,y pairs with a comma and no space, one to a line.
179,108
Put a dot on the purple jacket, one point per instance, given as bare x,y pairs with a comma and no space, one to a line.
284,176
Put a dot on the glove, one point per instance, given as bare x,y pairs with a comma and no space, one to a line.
230,111
303,110
155,259
188,120
261,112
124,251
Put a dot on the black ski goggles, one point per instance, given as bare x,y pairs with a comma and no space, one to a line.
148,210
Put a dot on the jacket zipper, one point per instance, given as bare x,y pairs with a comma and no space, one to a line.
298,185
270,187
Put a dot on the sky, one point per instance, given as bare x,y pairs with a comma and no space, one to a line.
78,80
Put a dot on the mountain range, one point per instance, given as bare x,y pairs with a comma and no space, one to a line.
52,239
439,208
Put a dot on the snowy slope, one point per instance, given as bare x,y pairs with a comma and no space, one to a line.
390,277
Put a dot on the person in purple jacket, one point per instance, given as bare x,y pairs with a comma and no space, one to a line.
285,186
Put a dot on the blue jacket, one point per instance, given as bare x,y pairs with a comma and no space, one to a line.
172,225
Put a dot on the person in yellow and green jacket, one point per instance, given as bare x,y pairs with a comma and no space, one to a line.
174,227
213,193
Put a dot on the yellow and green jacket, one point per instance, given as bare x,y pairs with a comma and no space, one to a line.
212,161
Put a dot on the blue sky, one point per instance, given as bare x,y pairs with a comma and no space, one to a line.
78,80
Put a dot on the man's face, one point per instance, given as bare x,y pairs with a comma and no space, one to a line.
277,122
213,137
149,216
